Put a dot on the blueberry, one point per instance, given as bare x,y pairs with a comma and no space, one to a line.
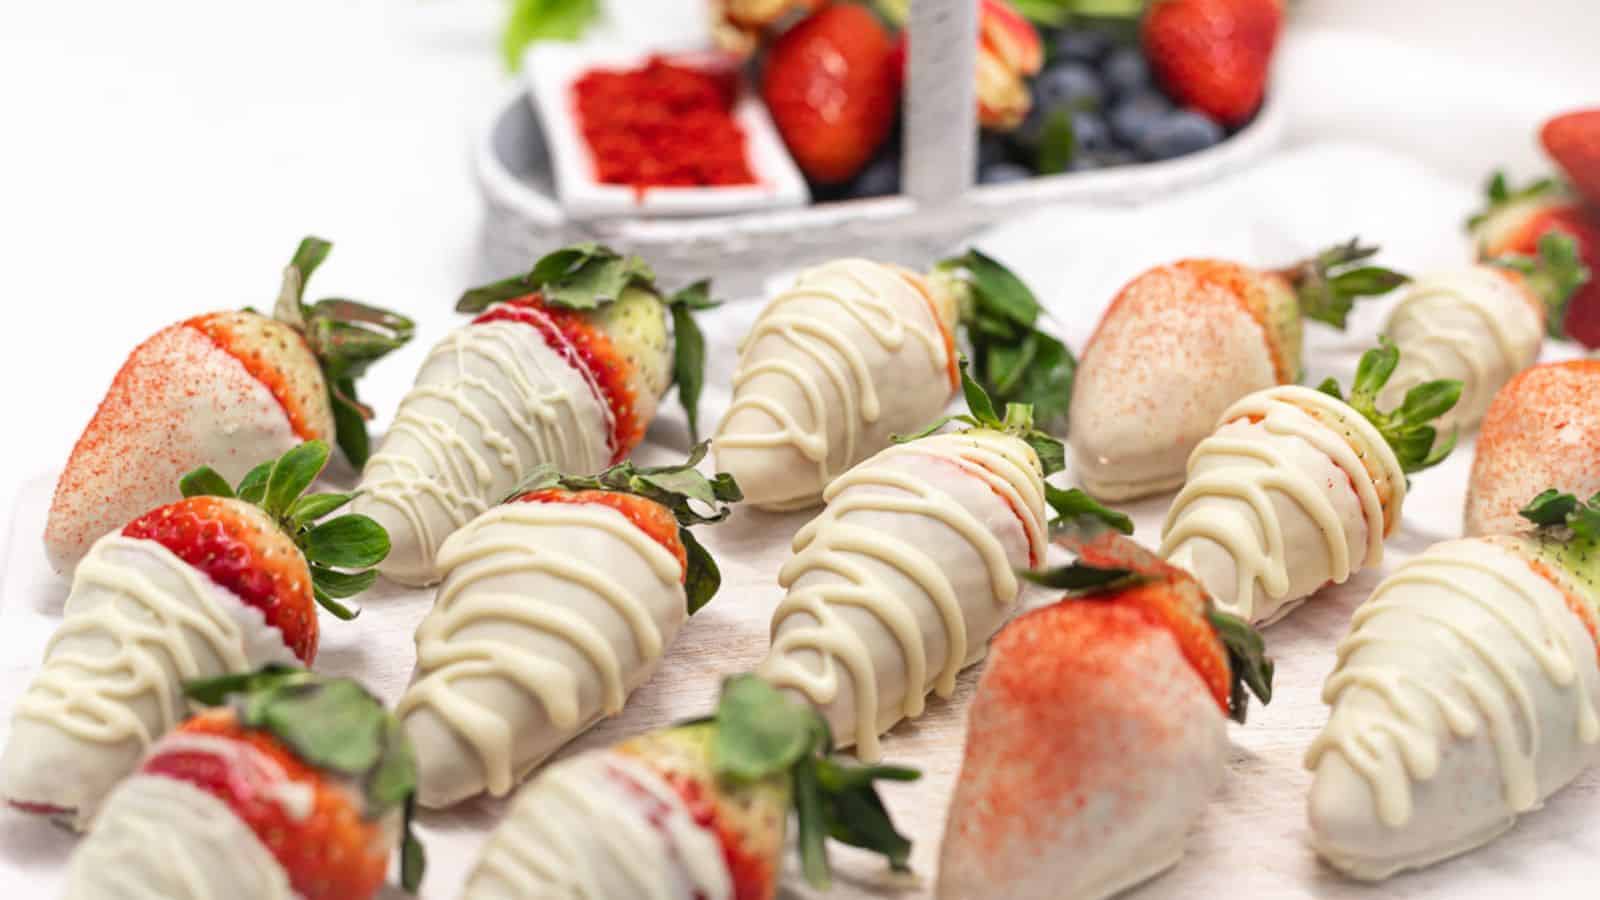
1090,134
1079,44
880,178
1135,114
1003,173
1074,85
1180,133
1112,158
1125,71
1084,162
991,150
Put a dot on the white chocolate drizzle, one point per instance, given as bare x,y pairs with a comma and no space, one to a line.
1393,744
492,401
1472,325
1250,529
491,549
595,827
833,544
865,304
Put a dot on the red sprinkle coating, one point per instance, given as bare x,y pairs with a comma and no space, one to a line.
244,553
663,125
331,854
648,516
588,349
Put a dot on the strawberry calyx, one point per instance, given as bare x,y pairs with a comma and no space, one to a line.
337,726
340,551
588,276
1405,428
1016,361
1500,195
1328,284
762,733
1569,529
1554,276
1111,567
677,488
346,337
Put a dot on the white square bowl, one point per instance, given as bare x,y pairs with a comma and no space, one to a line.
551,69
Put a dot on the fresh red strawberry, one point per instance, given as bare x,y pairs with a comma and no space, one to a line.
735,776
219,389
1573,141
1516,219
316,768
1213,55
1092,796
832,88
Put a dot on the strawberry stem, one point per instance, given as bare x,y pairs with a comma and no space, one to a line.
1405,428
1328,284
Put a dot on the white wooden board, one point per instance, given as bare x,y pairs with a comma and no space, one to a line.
1251,842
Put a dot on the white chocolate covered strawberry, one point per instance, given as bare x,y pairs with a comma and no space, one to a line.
555,606
565,365
222,389
1480,325
901,581
1298,488
1183,342
1467,692
1098,732
1543,429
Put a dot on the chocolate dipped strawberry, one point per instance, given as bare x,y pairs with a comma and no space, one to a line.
223,390
697,810
1298,488
555,606
1097,734
926,535
565,365
1182,342
293,785
1542,430
221,581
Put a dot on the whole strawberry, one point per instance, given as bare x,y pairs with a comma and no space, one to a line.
1213,55
295,785
222,389
832,86
1515,221
697,810
218,582
1573,141
1097,734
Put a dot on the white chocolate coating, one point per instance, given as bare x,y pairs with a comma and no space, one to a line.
492,401
1472,325
165,839
549,616
595,827
902,580
836,365
1278,502
1465,694
139,623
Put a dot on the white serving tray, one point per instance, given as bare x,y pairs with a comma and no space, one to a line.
1250,843
550,71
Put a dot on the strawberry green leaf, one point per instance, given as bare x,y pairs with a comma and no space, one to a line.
977,398
340,585
1550,508
312,507
1554,276
1406,429
309,255
341,611
1058,143
688,363
531,21
292,474
1080,576
1052,455
1252,669
350,428
413,857
760,732
813,834
1567,520
701,577
253,486
347,542
582,276
1074,506
1328,284
854,812
1018,423
204,482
